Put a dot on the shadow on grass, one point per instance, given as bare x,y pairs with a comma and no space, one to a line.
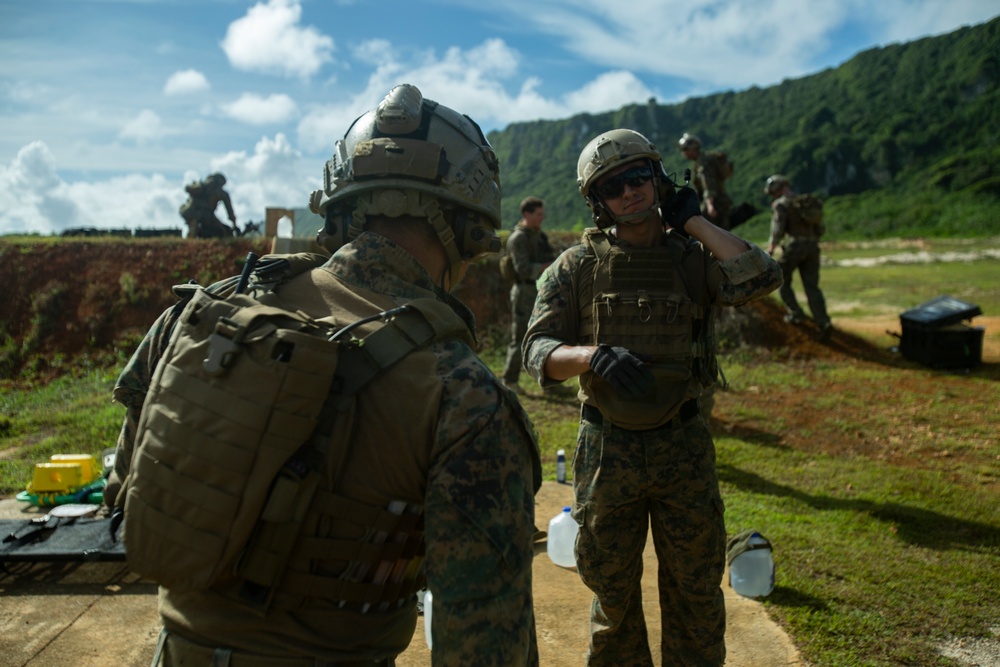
783,596
748,434
917,526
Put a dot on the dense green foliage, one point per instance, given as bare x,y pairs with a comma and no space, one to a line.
903,140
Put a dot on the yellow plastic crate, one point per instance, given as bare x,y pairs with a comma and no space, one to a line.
64,472
91,469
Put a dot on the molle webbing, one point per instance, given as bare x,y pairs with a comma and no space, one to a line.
644,300
640,301
270,552
221,480
379,572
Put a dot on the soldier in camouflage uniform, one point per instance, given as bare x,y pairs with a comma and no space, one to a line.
709,180
413,189
530,253
628,311
199,209
799,241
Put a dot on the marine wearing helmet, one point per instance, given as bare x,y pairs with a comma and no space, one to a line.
775,183
688,141
411,156
610,150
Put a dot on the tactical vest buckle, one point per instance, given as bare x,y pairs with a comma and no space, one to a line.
645,306
223,346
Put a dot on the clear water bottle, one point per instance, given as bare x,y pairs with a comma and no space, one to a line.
561,466
562,539
428,605
751,574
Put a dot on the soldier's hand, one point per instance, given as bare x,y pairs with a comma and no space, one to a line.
680,208
624,371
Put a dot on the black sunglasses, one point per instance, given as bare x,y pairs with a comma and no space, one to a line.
614,187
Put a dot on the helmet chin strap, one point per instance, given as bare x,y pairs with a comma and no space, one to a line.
638,216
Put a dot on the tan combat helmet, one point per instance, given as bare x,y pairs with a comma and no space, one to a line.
775,183
411,156
687,141
608,151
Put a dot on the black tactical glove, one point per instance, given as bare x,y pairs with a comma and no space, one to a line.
681,207
623,370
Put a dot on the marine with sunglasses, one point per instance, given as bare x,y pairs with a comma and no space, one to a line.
629,312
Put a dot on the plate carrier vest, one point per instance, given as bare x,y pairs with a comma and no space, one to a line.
654,302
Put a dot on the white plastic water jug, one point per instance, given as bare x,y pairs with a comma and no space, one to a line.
751,574
562,539
428,603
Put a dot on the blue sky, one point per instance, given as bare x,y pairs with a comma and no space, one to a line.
107,107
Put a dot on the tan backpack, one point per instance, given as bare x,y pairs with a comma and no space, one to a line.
244,404
810,208
721,163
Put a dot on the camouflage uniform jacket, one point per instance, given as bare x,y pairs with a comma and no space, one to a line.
555,321
708,180
529,251
469,458
786,221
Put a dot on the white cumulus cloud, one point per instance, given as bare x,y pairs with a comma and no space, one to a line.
473,81
186,82
257,110
145,127
35,199
269,39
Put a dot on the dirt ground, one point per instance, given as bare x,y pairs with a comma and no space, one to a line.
99,614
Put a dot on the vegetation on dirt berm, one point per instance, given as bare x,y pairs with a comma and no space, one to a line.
900,138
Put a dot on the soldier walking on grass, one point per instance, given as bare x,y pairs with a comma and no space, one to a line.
797,226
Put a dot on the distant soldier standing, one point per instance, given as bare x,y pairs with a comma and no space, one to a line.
711,169
800,252
530,254
199,209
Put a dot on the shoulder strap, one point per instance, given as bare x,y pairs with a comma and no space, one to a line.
408,327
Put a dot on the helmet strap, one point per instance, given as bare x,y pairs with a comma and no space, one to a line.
445,234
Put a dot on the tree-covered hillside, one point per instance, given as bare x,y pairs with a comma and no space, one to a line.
901,139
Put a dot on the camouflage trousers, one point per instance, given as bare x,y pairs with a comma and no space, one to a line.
804,257
626,483
522,300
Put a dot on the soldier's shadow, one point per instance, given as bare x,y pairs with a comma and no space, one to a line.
916,525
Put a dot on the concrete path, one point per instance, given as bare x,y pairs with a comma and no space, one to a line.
99,614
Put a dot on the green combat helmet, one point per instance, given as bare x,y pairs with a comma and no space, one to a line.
608,151
216,178
775,183
411,156
687,141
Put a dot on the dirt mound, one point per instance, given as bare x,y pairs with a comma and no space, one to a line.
73,297
761,324
79,297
